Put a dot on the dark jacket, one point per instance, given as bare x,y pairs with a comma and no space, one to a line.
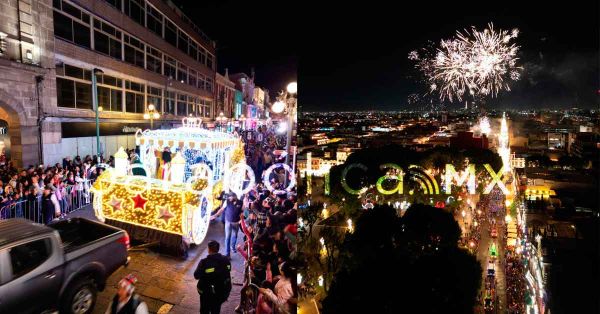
214,277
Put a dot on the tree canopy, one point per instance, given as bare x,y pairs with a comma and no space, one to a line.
409,264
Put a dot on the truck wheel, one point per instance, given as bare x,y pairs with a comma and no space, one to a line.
80,297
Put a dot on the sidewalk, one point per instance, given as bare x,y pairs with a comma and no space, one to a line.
167,283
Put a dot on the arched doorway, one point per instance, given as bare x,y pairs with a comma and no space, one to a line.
22,132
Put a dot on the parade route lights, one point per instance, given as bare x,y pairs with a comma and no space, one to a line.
151,114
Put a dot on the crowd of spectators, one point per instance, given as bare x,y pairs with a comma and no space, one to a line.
43,193
267,219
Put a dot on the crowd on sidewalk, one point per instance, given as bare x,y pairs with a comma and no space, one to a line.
267,221
43,193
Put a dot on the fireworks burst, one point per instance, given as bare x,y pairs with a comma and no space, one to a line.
480,63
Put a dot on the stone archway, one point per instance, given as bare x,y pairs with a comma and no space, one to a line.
22,129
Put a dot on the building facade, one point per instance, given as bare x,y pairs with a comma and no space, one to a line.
27,77
225,95
146,52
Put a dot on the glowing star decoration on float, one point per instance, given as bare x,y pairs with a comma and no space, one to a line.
164,214
139,202
115,203
178,208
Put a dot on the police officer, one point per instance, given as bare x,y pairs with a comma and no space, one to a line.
214,280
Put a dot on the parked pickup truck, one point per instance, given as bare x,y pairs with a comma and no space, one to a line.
57,267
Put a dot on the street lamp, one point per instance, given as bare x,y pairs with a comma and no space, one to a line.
221,119
95,72
151,114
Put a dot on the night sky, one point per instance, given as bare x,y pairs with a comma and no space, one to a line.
355,55
248,35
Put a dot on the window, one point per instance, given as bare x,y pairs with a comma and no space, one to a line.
209,84
153,60
107,39
71,29
65,91
155,97
83,95
202,56
135,10
182,73
115,3
170,33
193,50
207,106
170,67
134,51
200,81
209,61
134,97
182,105
154,21
192,104
192,77
26,257
110,99
169,103
182,43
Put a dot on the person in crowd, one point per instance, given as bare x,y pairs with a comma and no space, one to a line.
126,301
284,293
50,205
232,209
214,280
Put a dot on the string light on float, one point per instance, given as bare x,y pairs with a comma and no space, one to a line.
177,168
121,162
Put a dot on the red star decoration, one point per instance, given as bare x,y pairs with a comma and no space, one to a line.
164,213
115,203
139,201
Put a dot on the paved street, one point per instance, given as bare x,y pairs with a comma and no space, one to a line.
483,258
167,283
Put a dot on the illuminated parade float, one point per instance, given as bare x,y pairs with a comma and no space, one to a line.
169,203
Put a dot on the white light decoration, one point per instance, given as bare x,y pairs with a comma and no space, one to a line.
299,278
282,128
321,281
290,176
503,144
484,126
234,179
292,88
278,106
121,162
350,225
177,168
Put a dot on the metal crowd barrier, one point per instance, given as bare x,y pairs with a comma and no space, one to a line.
70,198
